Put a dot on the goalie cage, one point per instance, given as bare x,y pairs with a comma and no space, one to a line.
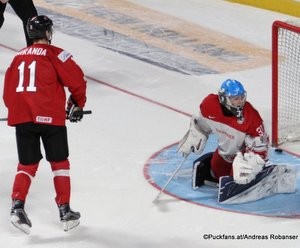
286,85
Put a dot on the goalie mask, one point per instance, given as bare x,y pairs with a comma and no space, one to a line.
40,27
232,95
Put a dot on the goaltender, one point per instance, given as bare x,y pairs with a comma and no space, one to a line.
239,164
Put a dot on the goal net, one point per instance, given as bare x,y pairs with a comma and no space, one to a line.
285,82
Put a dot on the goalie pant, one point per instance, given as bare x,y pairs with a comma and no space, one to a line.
271,180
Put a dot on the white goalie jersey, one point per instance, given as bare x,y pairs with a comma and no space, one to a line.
234,136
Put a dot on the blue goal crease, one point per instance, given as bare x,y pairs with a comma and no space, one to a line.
161,166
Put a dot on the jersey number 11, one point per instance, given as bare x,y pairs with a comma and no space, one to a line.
31,86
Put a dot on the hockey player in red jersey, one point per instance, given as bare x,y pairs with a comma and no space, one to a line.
238,127
36,100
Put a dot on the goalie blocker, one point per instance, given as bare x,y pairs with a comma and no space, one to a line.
194,140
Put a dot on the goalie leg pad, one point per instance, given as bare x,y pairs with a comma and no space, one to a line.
201,171
287,179
272,180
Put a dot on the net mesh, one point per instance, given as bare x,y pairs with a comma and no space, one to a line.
288,84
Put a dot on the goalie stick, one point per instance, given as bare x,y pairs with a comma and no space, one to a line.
85,112
170,179
206,182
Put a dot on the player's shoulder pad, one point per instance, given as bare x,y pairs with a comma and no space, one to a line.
250,110
210,103
211,99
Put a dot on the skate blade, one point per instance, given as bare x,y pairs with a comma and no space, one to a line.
21,226
68,225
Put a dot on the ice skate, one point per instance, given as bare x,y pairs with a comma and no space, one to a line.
68,218
19,218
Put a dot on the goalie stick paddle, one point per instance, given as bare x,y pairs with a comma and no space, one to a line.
85,112
170,179
206,182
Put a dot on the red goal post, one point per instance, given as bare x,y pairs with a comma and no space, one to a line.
285,82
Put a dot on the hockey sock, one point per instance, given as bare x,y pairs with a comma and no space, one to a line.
61,181
23,178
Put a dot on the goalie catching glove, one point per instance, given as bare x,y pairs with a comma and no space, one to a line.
73,111
193,141
246,167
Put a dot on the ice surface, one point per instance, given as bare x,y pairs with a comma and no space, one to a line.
108,150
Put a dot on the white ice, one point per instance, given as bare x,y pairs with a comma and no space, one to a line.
109,148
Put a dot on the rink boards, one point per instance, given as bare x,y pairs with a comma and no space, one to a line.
290,7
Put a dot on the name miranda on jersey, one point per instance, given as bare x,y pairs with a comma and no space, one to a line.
33,51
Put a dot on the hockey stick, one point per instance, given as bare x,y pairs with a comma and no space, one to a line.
170,179
85,112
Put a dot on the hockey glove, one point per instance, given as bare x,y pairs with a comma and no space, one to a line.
246,167
255,161
74,112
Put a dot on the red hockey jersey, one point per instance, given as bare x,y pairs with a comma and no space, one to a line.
34,85
234,135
